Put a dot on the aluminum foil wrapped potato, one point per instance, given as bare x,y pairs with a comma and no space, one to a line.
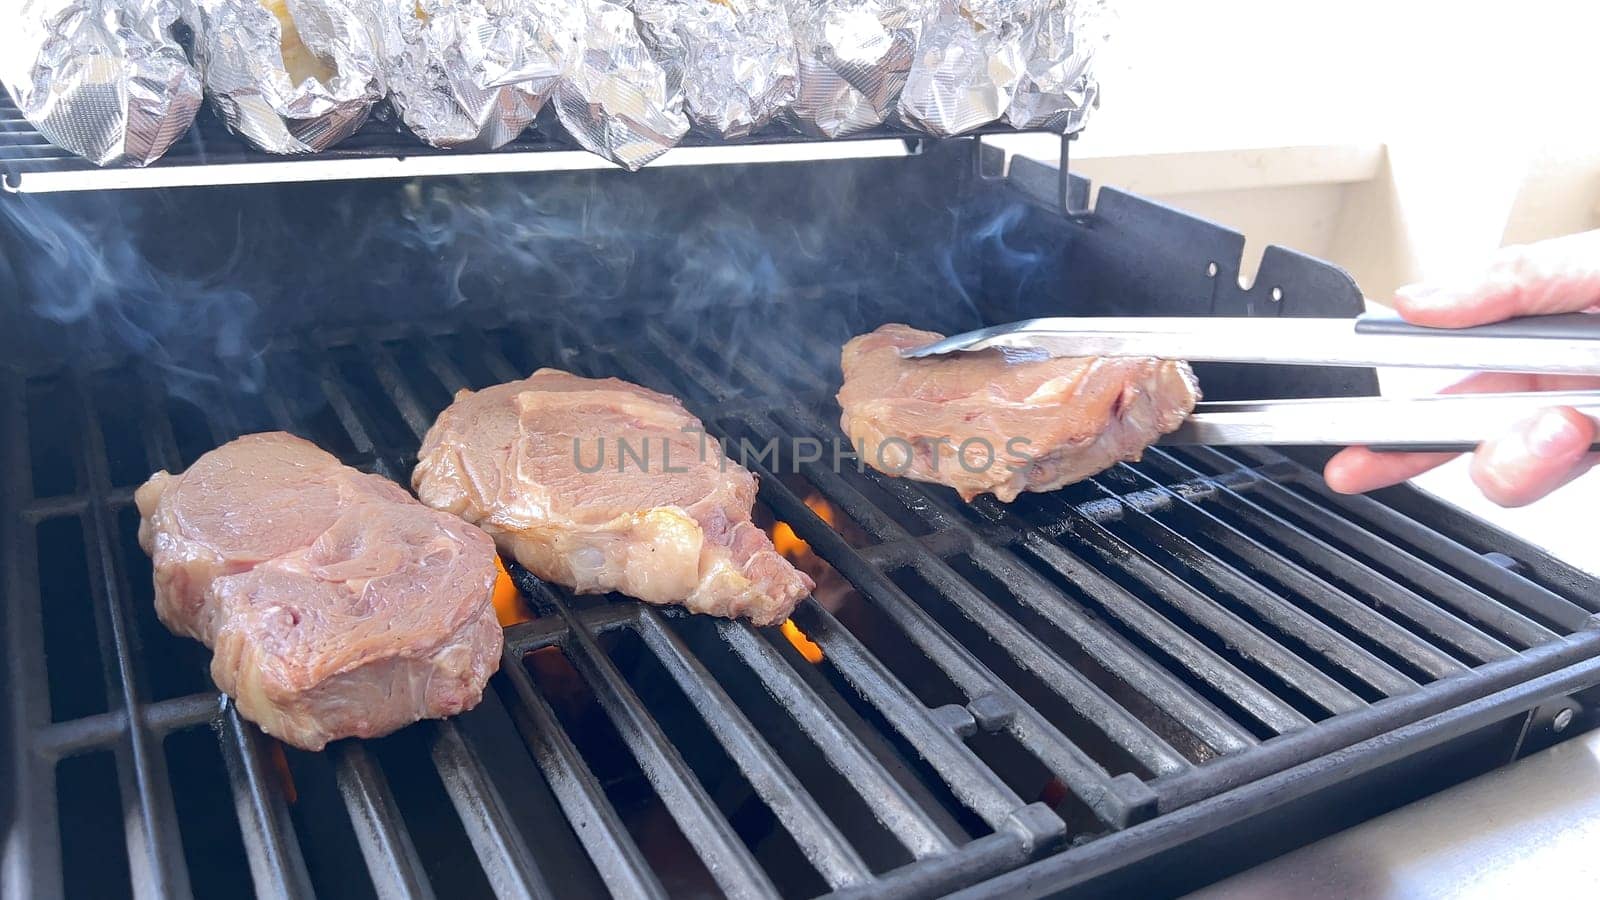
472,74
736,58
854,56
1059,89
970,59
101,78
616,99
291,76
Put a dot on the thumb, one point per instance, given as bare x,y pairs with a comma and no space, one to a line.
1554,276
1535,458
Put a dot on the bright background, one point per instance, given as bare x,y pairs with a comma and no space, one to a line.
1403,141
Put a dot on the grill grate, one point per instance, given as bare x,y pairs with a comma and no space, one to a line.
382,148
996,681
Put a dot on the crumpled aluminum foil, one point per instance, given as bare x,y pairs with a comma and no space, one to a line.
736,58
854,56
616,100
243,61
970,58
101,78
1059,90
472,74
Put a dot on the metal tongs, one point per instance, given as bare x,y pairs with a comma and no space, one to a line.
1562,344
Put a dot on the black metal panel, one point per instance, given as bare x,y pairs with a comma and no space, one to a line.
1134,256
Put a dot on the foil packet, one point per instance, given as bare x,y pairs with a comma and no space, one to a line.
854,56
100,78
290,76
735,58
616,99
970,59
1059,90
472,74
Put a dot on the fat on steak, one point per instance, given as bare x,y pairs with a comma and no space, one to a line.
988,422
334,603
602,485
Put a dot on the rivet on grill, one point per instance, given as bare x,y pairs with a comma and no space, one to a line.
956,719
992,711
1503,561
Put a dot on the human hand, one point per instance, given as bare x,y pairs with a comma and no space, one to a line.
1551,447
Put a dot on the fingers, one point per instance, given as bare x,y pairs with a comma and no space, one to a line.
1535,458
1356,470
1554,276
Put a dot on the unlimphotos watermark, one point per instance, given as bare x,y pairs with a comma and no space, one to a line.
667,454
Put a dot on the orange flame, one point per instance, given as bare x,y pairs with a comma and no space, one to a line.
807,647
508,605
280,768
797,551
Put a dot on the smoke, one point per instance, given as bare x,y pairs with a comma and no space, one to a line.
203,284
86,270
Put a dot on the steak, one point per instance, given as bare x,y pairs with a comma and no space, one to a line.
335,604
1000,422
602,485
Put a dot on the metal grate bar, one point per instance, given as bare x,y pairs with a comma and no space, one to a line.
935,877
1115,654
888,800
1335,602
1514,588
1466,601
505,858
385,844
594,820
1153,682
62,739
1329,563
1204,663
1283,616
826,848
276,864
1123,728
32,857
726,857
155,848
973,783
1207,613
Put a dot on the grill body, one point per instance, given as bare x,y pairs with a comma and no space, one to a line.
1143,681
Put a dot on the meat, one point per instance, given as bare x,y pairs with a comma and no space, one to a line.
602,485
335,604
1000,423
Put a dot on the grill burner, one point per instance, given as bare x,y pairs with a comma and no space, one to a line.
1126,679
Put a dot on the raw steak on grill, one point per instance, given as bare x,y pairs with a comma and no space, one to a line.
602,485
335,604
991,422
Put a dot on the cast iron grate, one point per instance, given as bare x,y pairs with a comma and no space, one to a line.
994,682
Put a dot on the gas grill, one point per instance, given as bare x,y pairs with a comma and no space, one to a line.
1144,681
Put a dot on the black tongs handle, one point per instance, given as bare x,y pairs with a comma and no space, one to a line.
1558,327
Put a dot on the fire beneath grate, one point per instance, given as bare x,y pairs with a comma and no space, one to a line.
972,686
